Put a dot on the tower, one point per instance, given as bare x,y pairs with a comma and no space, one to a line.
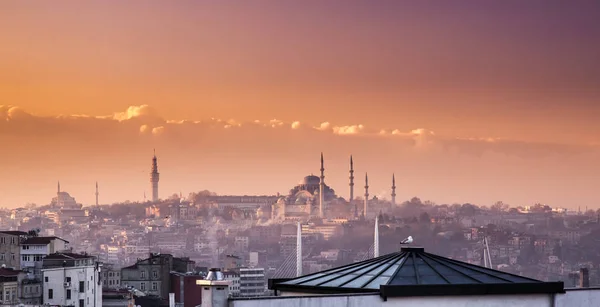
96,193
58,191
154,177
376,238
321,188
299,251
351,179
366,195
393,190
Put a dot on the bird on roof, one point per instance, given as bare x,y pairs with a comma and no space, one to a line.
407,240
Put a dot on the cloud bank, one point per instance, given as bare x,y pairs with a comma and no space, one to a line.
143,120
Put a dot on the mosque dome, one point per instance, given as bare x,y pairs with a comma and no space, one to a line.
311,180
302,197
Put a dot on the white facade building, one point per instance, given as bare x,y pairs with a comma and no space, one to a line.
34,249
72,280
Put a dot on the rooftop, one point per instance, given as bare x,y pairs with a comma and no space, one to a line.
67,256
413,272
5,272
41,240
14,232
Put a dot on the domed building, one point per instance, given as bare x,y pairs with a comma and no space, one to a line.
303,200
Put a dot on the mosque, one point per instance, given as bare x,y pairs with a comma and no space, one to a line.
64,201
313,198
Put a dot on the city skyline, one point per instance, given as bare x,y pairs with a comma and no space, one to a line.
478,101
270,157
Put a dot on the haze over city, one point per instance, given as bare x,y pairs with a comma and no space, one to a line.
465,102
379,153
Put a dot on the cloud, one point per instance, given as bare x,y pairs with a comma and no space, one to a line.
353,129
158,130
274,123
142,120
143,111
8,112
323,126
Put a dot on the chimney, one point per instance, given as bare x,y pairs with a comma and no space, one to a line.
214,289
584,278
214,274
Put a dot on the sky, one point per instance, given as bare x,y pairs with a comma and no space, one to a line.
465,101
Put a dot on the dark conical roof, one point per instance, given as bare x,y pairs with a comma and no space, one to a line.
413,272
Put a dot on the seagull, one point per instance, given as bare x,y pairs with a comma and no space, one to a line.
407,240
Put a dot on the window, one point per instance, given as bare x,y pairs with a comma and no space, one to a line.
68,279
2,256
154,274
68,294
142,274
50,294
143,286
82,286
12,256
154,286
46,279
2,240
81,303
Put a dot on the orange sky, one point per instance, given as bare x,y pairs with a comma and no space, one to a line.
525,75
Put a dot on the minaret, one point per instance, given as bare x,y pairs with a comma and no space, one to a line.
321,188
351,179
58,191
366,195
154,177
96,193
299,251
376,239
393,190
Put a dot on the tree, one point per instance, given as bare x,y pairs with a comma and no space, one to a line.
468,210
424,218
499,206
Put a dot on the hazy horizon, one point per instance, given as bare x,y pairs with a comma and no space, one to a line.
465,102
